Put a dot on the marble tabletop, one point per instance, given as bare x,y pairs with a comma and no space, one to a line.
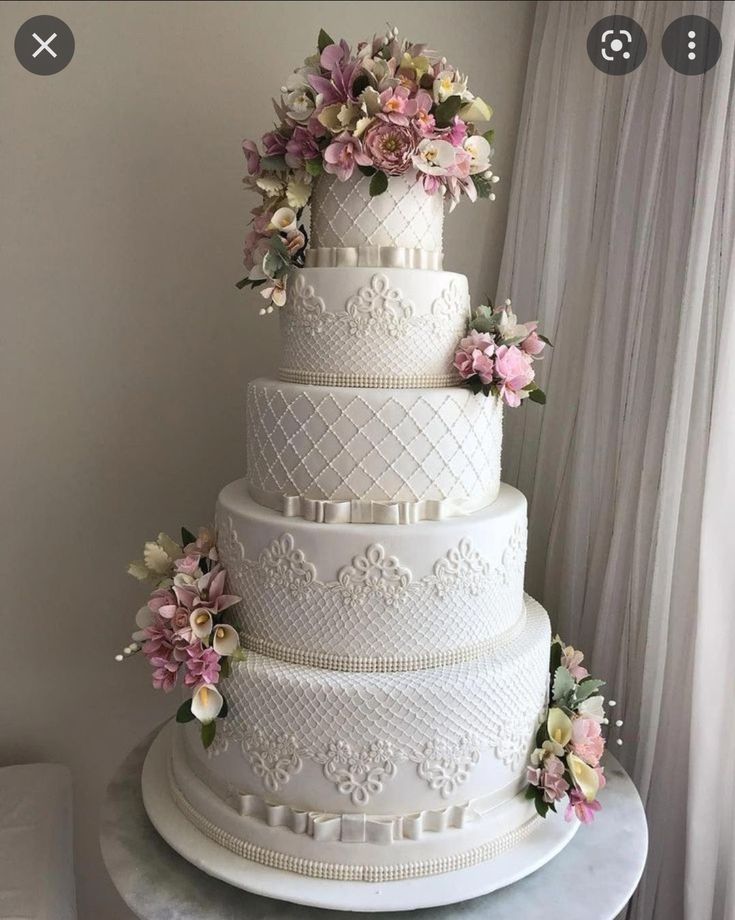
602,865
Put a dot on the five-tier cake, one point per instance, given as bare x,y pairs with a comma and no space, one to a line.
380,725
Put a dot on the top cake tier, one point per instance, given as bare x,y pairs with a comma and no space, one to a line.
402,228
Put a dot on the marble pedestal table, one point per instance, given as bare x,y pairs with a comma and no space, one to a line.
602,865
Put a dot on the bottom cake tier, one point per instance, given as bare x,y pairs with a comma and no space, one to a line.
373,777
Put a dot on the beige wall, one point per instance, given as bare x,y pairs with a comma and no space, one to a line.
125,347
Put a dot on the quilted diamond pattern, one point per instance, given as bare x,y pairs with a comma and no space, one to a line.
374,445
344,214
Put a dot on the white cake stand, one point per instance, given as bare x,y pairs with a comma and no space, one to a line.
543,844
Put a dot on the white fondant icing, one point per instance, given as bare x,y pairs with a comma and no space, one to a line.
381,743
385,327
370,591
345,214
369,445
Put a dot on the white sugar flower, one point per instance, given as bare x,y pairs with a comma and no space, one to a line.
225,640
479,150
592,708
434,156
299,104
206,704
283,220
201,623
449,83
158,559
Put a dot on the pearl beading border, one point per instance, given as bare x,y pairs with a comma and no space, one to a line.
343,872
377,381
366,664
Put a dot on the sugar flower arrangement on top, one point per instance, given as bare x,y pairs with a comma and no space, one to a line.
569,743
181,628
389,108
497,356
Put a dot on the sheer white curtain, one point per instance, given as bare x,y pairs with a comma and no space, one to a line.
621,242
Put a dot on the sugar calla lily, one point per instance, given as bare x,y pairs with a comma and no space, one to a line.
201,623
206,704
225,639
284,220
585,778
559,726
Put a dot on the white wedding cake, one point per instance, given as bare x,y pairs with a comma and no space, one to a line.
381,722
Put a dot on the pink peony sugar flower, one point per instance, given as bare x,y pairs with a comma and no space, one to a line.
579,806
552,779
301,147
587,740
202,665
515,372
252,157
343,154
390,147
274,144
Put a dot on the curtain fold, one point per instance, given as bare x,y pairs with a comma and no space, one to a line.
620,241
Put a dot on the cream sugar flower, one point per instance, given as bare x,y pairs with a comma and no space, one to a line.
158,559
434,156
271,185
283,220
298,193
448,83
479,150
559,726
225,639
585,778
206,704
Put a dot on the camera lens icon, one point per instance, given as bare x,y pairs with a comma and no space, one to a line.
616,45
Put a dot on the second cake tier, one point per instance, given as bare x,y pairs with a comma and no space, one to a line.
374,597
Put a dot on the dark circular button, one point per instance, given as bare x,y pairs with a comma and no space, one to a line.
691,45
44,45
616,45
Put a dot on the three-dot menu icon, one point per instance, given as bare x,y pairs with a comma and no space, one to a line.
691,45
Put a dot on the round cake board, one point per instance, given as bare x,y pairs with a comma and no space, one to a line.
549,837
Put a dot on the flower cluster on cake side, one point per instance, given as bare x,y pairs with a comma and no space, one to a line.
182,629
565,763
497,356
389,108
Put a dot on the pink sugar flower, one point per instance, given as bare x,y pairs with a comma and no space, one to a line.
483,366
211,592
187,565
397,106
579,806
552,779
464,364
202,665
532,344
587,740
301,147
457,132
390,147
252,157
343,154
274,144
161,597
571,659
431,184
515,372
482,340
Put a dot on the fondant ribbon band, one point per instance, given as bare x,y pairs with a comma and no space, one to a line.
321,511
373,257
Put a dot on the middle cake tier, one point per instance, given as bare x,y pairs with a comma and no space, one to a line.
373,597
371,455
